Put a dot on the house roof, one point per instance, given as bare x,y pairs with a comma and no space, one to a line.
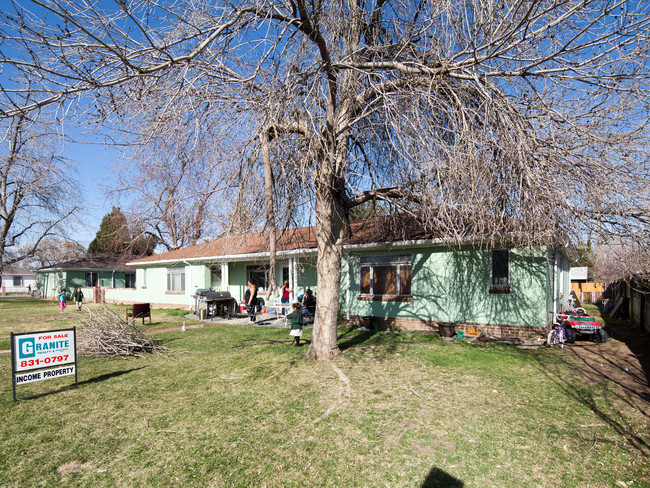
16,271
94,262
370,231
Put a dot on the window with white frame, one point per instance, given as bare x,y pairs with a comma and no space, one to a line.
215,276
18,281
500,270
176,279
385,275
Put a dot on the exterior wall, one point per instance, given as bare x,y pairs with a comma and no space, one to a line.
559,282
454,286
155,290
151,283
29,281
51,282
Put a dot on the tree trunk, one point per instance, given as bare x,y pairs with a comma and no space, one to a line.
270,210
330,225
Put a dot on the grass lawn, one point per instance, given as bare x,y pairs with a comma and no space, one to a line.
29,314
233,406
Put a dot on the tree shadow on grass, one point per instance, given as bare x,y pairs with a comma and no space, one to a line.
437,478
559,371
635,339
108,376
352,337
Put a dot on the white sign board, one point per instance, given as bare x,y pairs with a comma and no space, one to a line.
44,375
43,349
579,273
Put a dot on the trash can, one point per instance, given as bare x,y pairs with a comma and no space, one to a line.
202,313
446,329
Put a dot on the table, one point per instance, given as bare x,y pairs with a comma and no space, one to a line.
279,308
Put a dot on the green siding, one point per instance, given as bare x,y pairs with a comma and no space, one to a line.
454,285
447,285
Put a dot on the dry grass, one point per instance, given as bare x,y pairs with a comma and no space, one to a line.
402,411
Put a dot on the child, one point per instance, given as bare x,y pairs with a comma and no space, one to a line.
295,319
78,298
62,299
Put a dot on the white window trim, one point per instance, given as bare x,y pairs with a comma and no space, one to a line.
179,270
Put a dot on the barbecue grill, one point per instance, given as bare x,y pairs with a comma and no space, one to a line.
215,303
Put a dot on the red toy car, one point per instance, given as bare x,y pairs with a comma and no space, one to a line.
582,325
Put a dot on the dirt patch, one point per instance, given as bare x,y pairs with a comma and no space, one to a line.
624,360
71,467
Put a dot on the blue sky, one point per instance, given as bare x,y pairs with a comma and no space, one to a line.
93,163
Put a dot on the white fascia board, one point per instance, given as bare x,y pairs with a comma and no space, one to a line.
228,257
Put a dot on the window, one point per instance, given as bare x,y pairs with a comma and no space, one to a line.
500,271
385,276
18,281
215,276
129,280
259,275
91,278
176,279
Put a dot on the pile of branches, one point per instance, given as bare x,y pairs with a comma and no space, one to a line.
105,333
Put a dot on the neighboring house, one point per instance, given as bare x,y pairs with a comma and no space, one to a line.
94,273
405,277
17,280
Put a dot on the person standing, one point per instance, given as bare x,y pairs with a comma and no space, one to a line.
62,299
295,319
284,298
78,297
250,298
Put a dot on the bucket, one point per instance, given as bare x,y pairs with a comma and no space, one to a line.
242,308
446,329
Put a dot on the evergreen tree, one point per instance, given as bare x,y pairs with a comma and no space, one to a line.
115,236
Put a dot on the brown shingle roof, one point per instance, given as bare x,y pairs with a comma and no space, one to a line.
369,231
115,262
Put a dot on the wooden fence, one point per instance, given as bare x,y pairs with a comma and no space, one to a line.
588,292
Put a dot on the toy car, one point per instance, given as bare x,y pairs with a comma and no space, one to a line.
575,325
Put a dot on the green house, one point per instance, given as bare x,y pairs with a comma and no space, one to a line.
404,277
95,274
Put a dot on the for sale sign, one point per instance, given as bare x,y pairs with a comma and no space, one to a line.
44,349
41,350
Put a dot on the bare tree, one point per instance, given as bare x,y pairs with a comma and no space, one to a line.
622,260
179,175
488,120
35,185
53,250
